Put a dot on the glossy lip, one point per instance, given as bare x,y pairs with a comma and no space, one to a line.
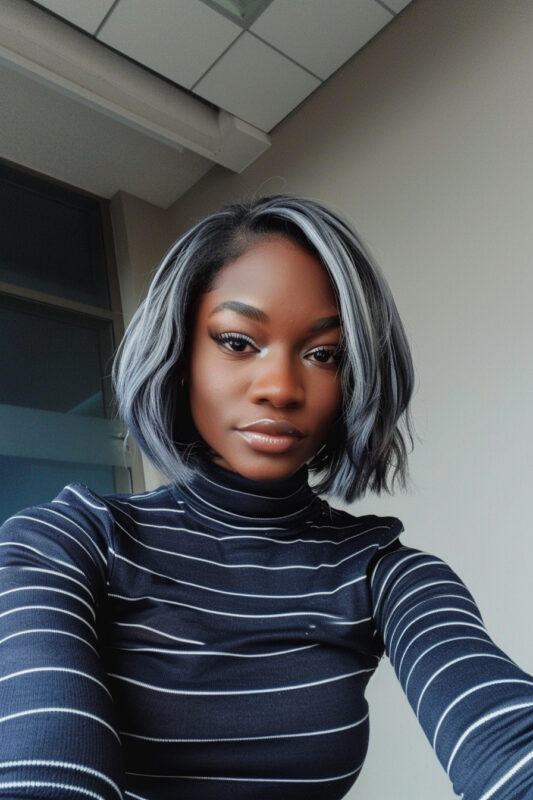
264,443
273,428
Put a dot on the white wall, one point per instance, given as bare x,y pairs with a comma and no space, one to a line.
424,140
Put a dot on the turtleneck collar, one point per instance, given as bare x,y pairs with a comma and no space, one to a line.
220,495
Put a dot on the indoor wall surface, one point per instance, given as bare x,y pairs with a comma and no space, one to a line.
423,140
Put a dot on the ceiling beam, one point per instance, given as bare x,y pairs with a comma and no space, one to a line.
52,52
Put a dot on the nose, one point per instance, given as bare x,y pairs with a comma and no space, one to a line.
277,381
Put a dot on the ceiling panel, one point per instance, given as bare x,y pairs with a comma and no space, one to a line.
320,36
86,14
256,83
180,40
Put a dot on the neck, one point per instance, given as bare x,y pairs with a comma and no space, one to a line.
219,495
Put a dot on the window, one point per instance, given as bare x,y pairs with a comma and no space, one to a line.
59,323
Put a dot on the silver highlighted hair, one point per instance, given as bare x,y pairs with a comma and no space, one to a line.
366,449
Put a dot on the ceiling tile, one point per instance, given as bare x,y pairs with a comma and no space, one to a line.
256,83
180,40
320,36
86,14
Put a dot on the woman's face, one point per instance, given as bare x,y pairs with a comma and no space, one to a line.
270,359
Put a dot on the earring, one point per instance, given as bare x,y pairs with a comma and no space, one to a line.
182,382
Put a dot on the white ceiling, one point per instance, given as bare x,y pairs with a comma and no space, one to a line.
259,74
255,73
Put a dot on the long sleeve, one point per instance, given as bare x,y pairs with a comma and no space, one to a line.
473,702
58,736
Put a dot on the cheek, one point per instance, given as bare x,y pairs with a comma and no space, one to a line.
330,399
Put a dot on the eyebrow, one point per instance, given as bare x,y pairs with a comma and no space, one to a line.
322,324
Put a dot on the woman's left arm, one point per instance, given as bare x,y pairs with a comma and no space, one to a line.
473,702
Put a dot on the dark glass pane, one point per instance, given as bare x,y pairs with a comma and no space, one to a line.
53,360
51,239
29,481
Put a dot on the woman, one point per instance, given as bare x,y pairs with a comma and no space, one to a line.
213,638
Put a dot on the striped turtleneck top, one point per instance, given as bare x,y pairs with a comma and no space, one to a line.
215,640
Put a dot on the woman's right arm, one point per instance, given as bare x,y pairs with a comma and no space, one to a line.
58,736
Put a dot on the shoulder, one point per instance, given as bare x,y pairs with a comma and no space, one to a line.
383,531
75,530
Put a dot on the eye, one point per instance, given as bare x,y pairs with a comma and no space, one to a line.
237,342
324,354
234,342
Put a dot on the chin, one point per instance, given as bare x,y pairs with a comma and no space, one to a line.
267,471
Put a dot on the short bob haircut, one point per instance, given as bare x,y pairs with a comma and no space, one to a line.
365,444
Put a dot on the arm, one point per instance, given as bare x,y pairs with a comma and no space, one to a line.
57,732
473,702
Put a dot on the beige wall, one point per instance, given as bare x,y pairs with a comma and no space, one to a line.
424,140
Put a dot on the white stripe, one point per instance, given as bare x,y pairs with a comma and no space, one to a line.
430,600
48,630
72,522
49,608
471,691
487,718
198,693
451,664
402,577
249,738
62,765
241,594
435,627
507,776
55,669
433,612
281,529
51,589
247,494
385,580
59,575
59,530
249,780
153,493
70,787
222,613
232,537
84,500
425,600
245,566
137,796
153,630
439,644
44,555
116,501
212,652
56,710
299,511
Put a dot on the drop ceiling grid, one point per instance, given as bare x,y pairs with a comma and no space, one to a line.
256,83
260,75
177,40
82,13
330,38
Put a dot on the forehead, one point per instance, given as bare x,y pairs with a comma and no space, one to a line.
276,275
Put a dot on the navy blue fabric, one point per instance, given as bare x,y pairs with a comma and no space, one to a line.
216,639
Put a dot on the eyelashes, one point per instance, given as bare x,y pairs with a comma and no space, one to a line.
336,353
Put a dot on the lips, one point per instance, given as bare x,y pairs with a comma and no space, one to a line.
273,428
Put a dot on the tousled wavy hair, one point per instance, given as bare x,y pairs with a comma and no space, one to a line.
366,448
